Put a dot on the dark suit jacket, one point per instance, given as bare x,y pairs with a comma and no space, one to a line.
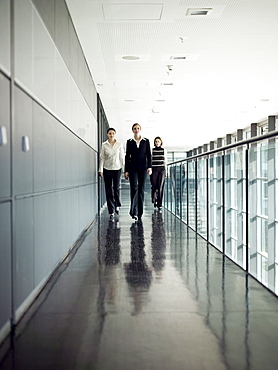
138,159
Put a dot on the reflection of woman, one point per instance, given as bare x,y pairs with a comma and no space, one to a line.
111,163
137,166
138,274
159,158
158,242
109,259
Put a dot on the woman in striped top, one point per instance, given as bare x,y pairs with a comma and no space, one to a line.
159,167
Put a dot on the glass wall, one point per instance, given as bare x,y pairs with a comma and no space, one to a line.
230,198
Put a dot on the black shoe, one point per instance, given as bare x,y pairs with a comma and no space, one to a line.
117,210
112,216
135,218
160,209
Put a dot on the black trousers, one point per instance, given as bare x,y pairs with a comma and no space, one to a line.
137,187
158,181
112,189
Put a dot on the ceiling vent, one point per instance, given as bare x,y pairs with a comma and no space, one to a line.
198,11
182,57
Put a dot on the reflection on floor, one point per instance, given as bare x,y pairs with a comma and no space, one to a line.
148,295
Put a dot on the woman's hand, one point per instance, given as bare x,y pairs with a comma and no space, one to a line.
149,171
126,175
100,174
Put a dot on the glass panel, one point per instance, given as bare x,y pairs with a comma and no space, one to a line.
202,196
172,188
258,200
215,201
184,191
191,195
235,213
178,190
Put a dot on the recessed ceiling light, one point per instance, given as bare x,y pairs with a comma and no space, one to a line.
130,57
130,100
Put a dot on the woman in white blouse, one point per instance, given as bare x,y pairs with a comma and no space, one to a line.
110,166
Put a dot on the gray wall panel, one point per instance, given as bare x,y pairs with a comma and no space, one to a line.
66,220
94,195
44,149
62,29
5,36
47,13
24,249
23,56
5,157
23,161
87,209
66,158
44,236
87,163
91,170
74,51
5,263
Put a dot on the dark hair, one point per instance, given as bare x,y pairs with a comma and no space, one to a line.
136,124
159,138
111,129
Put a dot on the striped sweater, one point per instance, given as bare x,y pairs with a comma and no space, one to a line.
158,158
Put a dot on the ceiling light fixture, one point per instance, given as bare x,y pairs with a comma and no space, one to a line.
130,57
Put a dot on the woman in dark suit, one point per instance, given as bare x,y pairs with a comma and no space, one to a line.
138,163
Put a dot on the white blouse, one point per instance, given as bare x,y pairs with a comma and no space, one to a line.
111,156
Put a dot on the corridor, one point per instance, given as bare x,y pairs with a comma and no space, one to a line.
147,295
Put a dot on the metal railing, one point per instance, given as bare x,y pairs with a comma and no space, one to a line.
228,195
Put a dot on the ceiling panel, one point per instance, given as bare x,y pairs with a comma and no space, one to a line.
228,80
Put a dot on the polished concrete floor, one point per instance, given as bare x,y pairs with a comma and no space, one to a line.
147,295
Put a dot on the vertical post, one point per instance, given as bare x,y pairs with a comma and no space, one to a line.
228,139
207,169
187,195
254,129
271,204
223,203
196,196
12,131
247,206
252,176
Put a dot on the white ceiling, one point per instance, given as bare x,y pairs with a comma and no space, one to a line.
228,79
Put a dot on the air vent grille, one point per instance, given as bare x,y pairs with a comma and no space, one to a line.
198,11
